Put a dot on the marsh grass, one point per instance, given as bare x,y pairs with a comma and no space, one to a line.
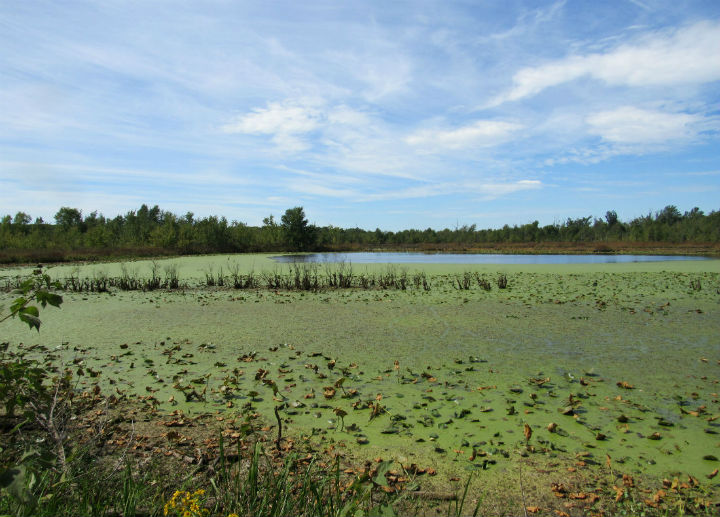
290,487
311,277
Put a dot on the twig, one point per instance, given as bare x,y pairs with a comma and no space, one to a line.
436,496
279,436
522,492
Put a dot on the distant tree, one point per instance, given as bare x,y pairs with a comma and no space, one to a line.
669,215
21,218
611,217
68,217
298,234
695,212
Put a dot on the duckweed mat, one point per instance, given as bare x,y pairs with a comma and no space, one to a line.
593,366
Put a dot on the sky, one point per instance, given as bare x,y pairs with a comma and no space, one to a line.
370,114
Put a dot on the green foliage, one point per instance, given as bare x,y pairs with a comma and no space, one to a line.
21,380
68,218
298,234
151,231
38,288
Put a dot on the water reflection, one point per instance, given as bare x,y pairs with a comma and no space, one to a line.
471,258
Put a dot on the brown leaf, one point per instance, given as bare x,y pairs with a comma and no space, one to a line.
712,474
532,509
552,426
527,432
619,492
626,385
557,488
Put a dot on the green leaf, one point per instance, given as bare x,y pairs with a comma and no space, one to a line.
15,481
18,304
32,321
382,469
45,297
31,310
382,510
26,286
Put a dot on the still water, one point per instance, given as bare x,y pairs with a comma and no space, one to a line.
472,258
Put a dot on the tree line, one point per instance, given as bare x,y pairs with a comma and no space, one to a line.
153,229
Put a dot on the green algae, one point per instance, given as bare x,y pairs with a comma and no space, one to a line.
473,366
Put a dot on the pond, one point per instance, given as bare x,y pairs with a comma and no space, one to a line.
472,258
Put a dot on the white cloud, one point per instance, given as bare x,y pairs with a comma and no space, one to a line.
630,125
278,117
687,56
483,133
493,190
292,123
485,189
315,189
369,192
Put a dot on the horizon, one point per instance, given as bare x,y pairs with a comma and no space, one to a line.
400,116
276,218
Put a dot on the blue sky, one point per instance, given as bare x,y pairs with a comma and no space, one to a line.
373,114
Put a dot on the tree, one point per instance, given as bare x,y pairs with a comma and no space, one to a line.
21,218
68,217
669,215
298,234
611,217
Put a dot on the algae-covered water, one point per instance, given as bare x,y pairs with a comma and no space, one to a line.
374,257
624,359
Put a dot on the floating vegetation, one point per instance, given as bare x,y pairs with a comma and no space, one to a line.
352,357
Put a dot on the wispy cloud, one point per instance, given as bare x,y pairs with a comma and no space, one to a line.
631,125
687,55
482,133
484,189
285,122
416,108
